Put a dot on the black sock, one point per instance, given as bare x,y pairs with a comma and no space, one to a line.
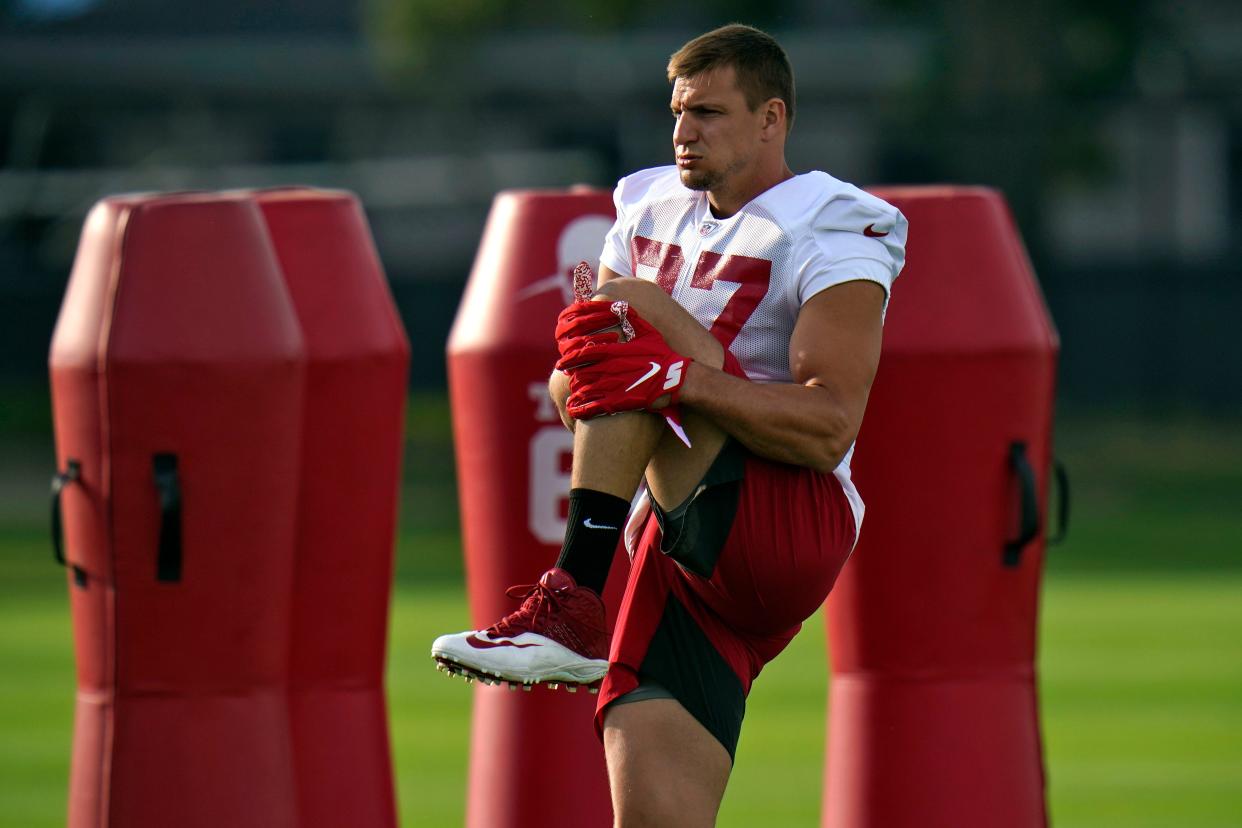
595,523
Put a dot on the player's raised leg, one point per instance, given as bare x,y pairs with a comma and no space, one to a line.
558,634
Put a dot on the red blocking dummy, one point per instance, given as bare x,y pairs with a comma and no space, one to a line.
933,718
352,435
177,379
534,756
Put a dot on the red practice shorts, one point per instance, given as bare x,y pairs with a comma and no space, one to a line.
725,584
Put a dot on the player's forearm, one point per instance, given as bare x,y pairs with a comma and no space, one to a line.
787,422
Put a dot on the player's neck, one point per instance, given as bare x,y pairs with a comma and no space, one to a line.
726,201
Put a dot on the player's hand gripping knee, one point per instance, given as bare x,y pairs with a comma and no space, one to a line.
610,373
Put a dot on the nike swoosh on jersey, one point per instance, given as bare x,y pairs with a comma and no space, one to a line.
655,367
588,524
480,644
870,232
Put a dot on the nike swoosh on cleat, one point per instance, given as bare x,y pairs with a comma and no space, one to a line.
655,367
590,525
480,644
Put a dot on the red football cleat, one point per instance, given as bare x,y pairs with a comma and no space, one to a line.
557,636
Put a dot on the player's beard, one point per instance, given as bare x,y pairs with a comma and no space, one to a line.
700,180
710,180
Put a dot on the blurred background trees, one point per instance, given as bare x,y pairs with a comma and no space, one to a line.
1114,129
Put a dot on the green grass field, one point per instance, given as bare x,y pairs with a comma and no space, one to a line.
1141,660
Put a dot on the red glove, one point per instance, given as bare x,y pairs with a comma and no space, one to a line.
583,318
608,373
625,376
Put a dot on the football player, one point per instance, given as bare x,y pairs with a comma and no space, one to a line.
724,361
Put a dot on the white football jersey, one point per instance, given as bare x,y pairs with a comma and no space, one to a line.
745,277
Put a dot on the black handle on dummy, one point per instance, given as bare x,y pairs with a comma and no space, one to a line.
1028,527
167,484
71,474
60,480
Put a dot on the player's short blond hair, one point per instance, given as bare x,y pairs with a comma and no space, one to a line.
761,65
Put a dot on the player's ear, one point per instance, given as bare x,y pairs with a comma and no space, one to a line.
773,110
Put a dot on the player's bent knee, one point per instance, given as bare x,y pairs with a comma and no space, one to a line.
633,290
558,390
682,332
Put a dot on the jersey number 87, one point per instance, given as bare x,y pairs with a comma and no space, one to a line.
752,276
